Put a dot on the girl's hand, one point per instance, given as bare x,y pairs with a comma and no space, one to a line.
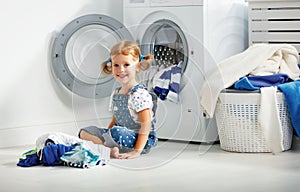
129,155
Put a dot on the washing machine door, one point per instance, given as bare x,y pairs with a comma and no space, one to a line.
167,42
80,48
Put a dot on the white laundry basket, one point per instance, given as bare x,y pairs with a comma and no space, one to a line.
238,125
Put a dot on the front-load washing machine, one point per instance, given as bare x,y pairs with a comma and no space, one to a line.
77,52
196,33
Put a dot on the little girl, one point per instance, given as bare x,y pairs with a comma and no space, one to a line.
131,131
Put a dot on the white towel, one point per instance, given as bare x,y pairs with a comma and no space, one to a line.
57,138
269,119
233,68
278,63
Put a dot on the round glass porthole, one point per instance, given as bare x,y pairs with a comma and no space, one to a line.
80,48
167,42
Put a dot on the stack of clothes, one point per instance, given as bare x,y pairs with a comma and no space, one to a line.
263,67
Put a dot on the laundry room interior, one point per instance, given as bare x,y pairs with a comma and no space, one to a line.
231,123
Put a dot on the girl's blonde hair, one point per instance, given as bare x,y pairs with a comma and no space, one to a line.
127,48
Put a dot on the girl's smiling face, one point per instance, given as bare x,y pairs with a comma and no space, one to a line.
124,69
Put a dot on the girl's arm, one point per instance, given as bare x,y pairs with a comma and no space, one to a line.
145,119
112,123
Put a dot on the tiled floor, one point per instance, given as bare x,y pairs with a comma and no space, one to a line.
172,166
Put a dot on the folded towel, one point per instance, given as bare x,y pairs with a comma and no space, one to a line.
233,68
291,92
256,82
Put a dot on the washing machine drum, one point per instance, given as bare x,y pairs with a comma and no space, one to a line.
167,42
80,48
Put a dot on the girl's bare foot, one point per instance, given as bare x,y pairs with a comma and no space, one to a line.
114,152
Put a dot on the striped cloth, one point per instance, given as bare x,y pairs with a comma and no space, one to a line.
167,85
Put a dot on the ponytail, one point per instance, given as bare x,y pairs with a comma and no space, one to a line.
106,66
146,62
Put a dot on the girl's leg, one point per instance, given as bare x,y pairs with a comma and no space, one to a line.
124,137
114,152
94,134
89,137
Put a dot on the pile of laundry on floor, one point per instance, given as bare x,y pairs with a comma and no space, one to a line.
53,149
265,67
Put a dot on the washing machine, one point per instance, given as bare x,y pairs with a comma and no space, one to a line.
196,33
76,53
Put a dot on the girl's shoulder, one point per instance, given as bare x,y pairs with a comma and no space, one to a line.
138,87
139,91
140,98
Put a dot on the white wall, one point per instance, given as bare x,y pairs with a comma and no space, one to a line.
30,102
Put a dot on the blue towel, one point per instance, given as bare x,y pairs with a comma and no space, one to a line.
50,156
29,158
256,82
52,153
291,92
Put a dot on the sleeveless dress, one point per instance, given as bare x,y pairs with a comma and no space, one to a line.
125,133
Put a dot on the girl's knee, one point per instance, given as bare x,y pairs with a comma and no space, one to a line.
116,130
82,134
